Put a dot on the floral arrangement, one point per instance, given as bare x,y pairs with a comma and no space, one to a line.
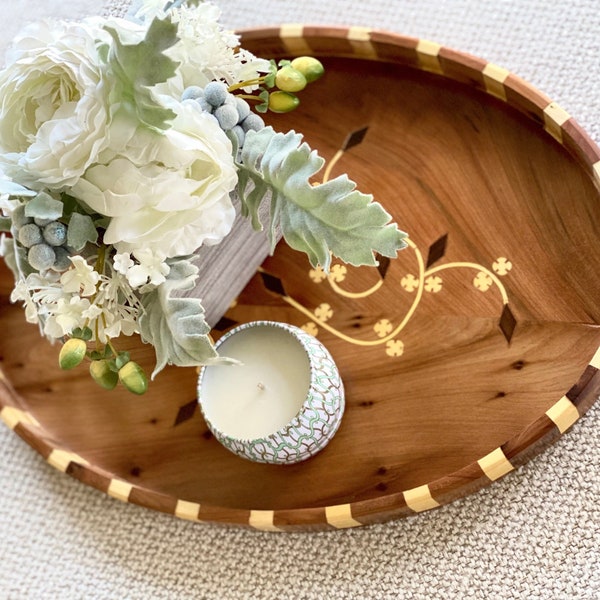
122,141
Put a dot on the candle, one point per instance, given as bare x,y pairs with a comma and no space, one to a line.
282,403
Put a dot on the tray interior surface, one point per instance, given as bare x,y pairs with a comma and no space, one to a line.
478,328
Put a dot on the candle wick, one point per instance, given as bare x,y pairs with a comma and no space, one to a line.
260,385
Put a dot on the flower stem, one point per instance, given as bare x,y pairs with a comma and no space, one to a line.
242,84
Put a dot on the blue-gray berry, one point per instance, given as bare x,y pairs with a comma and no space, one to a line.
30,235
204,105
18,217
215,93
55,233
42,222
62,261
227,115
239,134
242,107
41,257
193,92
252,123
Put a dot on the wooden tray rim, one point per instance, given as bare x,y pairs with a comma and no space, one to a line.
384,46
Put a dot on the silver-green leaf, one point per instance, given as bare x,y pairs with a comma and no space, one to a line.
44,206
81,231
320,220
176,326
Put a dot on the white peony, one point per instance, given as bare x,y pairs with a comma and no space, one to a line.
53,114
167,193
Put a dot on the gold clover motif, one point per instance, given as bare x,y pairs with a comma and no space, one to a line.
323,312
394,348
383,327
409,282
338,273
482,281
310,328
433,284
502,266
317,275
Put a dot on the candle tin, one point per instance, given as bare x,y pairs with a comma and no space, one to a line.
317,420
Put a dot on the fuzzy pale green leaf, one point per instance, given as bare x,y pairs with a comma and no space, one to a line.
81,231
14,189
140,66
44,206
333,217
175,326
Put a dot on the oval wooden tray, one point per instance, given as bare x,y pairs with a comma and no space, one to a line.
463,358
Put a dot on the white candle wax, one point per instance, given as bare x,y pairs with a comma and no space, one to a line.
262,395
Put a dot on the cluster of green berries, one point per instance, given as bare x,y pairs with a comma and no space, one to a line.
44,239
107,368
233,112
292,77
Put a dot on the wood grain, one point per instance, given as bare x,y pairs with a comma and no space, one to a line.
497,187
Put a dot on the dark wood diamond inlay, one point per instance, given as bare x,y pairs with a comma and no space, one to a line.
507,323
383,266
273,284
437,250
186,412
355,138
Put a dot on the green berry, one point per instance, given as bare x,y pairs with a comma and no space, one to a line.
310,67
134,379
282,102
289,79
72,353
103,375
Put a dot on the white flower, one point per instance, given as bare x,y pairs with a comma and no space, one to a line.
92,312
81,278
67,316
206,51
122,263
119,305
176,198
151,268
21,292
54,115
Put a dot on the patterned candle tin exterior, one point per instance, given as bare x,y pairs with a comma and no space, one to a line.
316,422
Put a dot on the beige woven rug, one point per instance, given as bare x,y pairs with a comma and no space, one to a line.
533,535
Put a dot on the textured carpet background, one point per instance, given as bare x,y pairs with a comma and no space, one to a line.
533,535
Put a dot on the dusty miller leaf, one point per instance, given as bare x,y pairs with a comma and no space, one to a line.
176,326
140,66
14,189
44,206
81,230
332,217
